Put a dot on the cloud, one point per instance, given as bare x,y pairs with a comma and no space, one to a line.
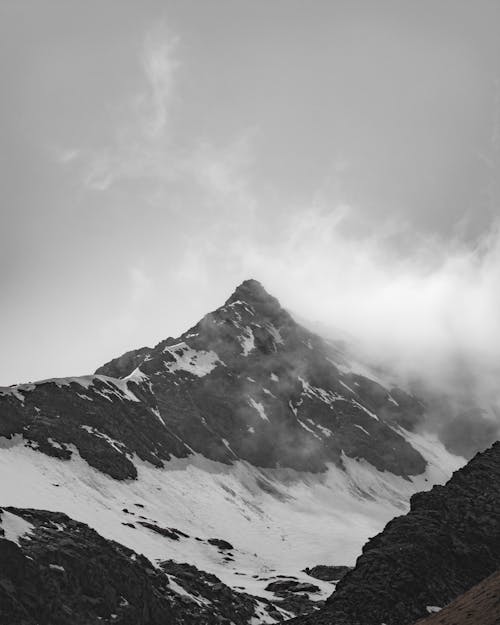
144,151
427,311
160,65
424,308
141,144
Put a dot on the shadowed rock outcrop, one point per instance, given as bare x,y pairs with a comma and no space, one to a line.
327,573
56,571
449,541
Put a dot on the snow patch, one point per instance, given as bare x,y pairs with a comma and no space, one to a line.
275,333
325,431
347,387
247,341
95,432
268,392
228,446
177,588
259,408
441,463
86,397
306,427
156,412
364,409
362,429
16,391
14,527
122,385
137,375
112,385
199,363
57,567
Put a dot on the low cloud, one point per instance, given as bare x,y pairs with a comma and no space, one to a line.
425,309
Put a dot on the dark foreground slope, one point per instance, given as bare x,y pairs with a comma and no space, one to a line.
449,541
55,571
478,606
247,382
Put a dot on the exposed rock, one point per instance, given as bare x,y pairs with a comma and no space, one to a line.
168,532
220,544
107,420
126,362
294,596
290,585
61,571
328,573
236,606
449,541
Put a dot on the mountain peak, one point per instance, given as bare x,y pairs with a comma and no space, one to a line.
252,292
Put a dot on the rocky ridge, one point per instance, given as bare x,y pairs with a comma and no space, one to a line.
54,570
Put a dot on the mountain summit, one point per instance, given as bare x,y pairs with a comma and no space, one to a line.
252,291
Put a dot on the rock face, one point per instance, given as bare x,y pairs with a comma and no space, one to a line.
328,573
294,596
449,541
291,585
106,419
246,382
55,571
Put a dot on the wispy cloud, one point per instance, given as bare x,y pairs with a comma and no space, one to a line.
160,65
140,146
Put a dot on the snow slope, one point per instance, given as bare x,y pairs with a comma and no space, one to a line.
278,520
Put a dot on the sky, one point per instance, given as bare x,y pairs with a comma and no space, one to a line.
154,154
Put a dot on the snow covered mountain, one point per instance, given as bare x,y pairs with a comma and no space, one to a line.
247,429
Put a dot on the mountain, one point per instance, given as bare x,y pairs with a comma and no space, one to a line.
248,429
448,542
55,571
247,382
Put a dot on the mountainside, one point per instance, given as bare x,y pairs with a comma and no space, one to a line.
55,571
247,429
478,606
247,382
449,541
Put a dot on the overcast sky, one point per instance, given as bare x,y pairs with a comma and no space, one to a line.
155,153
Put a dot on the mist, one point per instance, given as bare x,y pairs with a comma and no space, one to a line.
423,309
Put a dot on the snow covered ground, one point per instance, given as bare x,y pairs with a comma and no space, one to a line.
279,521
